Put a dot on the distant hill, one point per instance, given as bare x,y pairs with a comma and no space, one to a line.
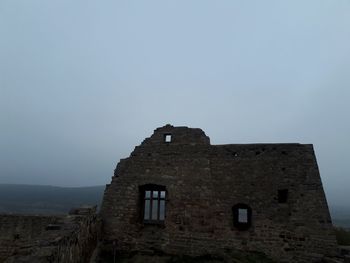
340,215
38,199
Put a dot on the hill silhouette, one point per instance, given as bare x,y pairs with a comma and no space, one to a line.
41,199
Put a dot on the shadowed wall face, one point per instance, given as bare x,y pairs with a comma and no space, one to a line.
250,197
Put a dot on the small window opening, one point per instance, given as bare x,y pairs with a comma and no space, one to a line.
167,138
282,195
242,216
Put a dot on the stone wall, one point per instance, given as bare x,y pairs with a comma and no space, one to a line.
203,183
70,238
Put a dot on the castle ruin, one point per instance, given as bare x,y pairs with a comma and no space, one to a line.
178,194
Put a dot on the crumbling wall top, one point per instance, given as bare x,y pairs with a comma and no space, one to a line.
169,134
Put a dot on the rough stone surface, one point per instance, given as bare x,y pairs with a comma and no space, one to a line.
203,182
32,238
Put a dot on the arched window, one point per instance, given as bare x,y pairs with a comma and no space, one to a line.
153,203
242,216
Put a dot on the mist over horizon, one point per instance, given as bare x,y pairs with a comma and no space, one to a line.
82,83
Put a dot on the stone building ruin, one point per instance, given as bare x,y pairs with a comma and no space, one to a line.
177,198
179,195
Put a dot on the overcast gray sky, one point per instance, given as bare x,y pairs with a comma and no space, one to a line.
83,82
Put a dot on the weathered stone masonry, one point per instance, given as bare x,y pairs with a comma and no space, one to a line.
48,239
279,183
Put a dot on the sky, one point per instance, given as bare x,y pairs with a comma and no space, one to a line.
84,82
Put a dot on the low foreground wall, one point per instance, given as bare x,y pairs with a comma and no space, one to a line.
70,238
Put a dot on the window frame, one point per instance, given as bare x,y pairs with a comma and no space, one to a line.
166,136
143,198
